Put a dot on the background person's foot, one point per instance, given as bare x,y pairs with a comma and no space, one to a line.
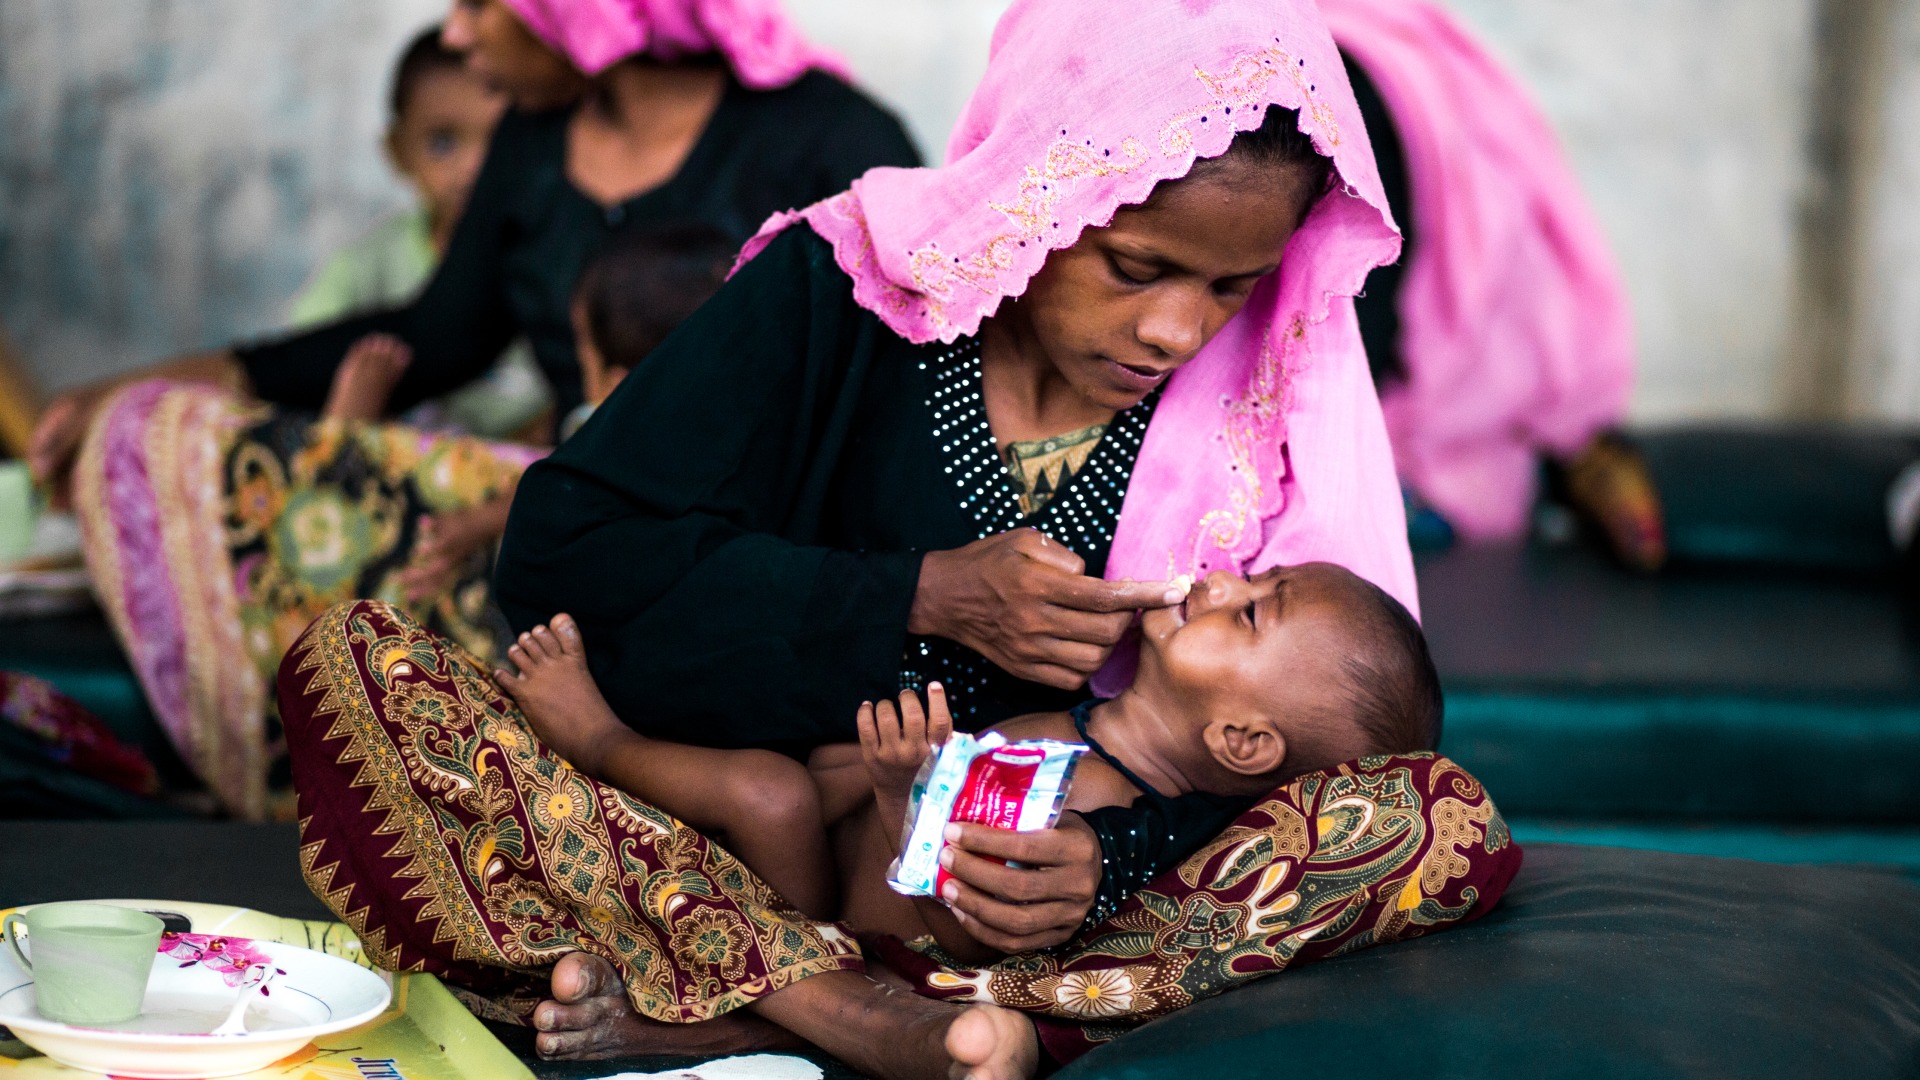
988,1042
1609,484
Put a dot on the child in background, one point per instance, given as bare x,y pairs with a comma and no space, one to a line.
628,299
442,119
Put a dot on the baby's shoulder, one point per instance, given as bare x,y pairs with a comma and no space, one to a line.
1095,783
1037,726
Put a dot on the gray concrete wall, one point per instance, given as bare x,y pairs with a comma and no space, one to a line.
1887,333
170,170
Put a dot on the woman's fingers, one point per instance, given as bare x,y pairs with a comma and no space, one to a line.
1036,905
1093,594
1020,885
1035,545
1070,847
1060,678
1011,928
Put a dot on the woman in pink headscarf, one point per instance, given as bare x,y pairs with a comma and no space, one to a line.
1504,334
957,424
628,115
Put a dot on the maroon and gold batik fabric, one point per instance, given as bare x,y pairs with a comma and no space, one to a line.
1375,851
437,826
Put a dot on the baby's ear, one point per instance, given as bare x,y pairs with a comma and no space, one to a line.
1247,746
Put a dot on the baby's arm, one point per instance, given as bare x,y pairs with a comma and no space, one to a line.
895,744
366,378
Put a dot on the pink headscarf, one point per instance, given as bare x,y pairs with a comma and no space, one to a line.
1266,448
1514,323
759,42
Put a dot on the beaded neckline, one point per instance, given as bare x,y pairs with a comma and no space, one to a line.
1083,514
1087,507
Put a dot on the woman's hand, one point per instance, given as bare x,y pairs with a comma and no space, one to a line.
1024,602
1036,905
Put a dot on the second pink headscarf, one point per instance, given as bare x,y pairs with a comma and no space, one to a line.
1266,448
761,45
1514,323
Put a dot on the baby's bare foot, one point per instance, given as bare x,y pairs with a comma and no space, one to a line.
988,1042
557,693
589,1017
366,378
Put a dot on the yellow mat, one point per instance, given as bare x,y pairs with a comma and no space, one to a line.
425,1034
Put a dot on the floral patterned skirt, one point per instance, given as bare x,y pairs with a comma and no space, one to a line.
435,824
216,530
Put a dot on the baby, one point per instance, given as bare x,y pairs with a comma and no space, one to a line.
1246,685
629,297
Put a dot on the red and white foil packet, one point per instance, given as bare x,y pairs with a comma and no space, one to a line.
986,781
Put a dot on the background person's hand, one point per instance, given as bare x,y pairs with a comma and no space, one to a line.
446,546
1025,603
1036,905
56,438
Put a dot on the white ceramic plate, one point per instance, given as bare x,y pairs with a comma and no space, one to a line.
194,985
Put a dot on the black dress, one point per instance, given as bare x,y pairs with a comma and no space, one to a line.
511,265
739,527
738,530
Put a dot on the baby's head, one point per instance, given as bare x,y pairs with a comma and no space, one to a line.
442,119
1296,669
641,286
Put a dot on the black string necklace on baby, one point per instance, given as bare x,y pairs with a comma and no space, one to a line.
1082,715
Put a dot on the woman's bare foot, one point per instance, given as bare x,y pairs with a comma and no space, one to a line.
366,378
558,695
589,1017
988,1042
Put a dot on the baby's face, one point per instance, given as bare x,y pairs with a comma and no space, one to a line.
1270,645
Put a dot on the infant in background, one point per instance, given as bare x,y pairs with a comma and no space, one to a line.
630,296
1246,685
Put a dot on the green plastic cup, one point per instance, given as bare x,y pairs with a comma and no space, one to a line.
16,511
89,962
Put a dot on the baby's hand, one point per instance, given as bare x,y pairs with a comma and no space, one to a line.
894,743
366,378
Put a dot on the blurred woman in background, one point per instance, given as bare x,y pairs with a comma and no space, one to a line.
216,531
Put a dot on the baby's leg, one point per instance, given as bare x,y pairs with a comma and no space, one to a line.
865,847
763,806
841,775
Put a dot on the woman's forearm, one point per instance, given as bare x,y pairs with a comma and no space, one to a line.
219,367
61,426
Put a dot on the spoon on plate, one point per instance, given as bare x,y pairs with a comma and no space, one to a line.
236,1021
